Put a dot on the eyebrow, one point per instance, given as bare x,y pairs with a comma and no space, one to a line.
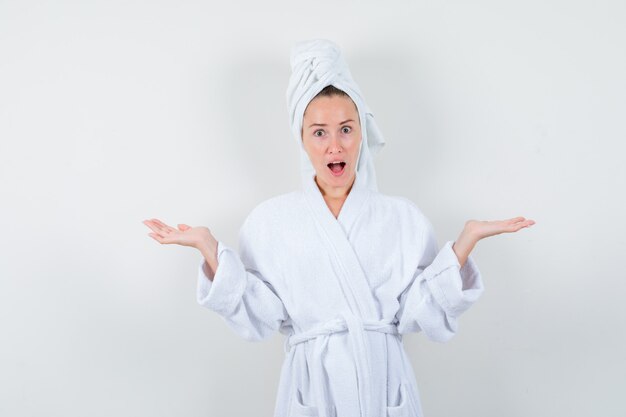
323,124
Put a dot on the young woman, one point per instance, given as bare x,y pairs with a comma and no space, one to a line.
339,268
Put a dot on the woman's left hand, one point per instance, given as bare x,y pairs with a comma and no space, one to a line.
480,229
475,230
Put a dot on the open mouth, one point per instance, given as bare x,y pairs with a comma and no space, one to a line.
337,168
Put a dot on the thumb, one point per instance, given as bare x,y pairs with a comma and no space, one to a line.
183,227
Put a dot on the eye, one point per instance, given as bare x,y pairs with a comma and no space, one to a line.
346,127
315,133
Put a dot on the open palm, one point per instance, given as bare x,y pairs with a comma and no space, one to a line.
484,228
185,235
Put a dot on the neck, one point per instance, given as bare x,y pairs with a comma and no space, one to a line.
335,193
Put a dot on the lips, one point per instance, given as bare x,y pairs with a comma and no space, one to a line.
337,167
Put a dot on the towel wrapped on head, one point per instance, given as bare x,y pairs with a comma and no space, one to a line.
316,64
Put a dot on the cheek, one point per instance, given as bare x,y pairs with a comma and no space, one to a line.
317,147
315,151
354,146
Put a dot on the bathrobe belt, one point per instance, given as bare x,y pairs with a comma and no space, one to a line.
356,332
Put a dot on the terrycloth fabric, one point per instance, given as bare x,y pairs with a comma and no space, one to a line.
315,64
344,290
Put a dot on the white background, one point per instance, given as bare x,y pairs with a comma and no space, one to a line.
112,112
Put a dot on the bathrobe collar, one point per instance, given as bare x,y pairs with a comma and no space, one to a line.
352,206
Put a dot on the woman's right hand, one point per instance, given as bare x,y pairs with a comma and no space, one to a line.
196,237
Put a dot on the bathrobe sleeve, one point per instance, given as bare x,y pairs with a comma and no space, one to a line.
239,294
441,290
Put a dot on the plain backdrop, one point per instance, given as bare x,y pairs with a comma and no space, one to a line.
112,112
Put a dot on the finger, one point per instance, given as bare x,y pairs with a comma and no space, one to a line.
526,223
518,226
156,237
161,224
516,219
163,227
161,239
152,226
155,225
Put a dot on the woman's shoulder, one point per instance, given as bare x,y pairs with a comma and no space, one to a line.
400,205
272,211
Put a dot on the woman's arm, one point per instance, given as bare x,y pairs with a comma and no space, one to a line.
209,252
226,284
463,246
441,290
243,297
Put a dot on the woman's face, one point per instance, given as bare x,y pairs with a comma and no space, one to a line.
331,132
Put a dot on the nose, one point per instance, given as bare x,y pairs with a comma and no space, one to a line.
334,145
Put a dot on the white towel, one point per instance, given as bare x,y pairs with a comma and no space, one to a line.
316,64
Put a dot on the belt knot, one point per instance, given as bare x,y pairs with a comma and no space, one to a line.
345,322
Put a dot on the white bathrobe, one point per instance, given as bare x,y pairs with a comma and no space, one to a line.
343,290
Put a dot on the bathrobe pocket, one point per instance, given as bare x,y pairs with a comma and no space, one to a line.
402,406
299,409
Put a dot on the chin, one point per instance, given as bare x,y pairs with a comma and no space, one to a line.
344,179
